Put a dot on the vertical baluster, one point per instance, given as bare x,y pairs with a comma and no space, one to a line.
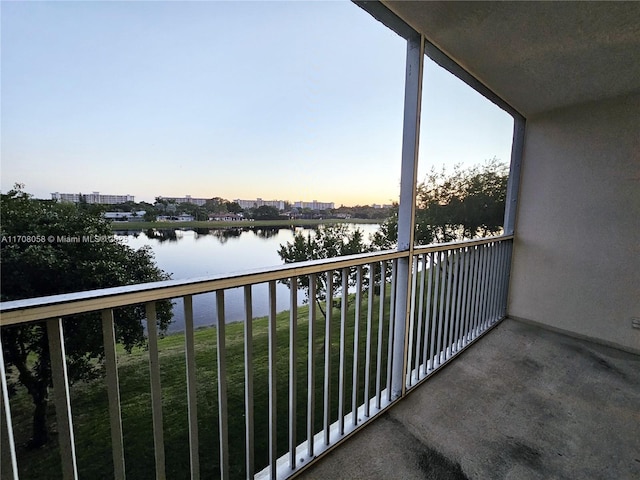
156,392
311,388
327,357
414,280
449,300
490,282
420,340
473,296
435,265
462,339
113,393
491,256
441,318
476,292
481,271
293,356
497,283
392,320
383,289
497,253
61,398
248,381
343,326
367,360
427,314
483,288
455,266
491,274
473,268
356,346
192,399
7,414
457,295
273,425
223,412
492,279
487,286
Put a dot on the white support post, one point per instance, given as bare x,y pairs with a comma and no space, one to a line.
513,184
406,210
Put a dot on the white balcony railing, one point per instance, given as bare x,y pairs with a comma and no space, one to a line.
455,293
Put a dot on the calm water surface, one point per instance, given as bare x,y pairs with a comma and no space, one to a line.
200,253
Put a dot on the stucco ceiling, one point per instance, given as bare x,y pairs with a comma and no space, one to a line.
537,56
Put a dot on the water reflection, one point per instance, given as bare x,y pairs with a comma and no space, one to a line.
162,235
191,253
266,232
221,234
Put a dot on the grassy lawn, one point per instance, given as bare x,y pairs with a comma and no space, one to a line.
257,223
90,407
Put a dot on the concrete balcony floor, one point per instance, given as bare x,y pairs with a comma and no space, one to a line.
522,403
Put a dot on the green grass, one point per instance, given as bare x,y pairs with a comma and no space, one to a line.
90,407
246,223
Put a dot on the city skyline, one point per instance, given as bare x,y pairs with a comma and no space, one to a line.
155,97
114,199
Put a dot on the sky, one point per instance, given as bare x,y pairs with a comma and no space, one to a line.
272,99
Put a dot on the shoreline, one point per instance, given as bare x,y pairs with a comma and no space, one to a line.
241,224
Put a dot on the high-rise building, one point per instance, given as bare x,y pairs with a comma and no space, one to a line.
258,202
94,197
315,205
186,199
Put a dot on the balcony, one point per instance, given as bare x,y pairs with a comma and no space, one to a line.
549,392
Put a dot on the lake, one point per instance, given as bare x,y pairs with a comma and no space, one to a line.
199,253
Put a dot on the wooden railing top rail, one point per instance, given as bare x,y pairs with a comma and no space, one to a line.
41,308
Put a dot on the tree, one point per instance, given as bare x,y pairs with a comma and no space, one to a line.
233,207
328,242
449,207
49,265
150,215
465,204
215,205
265,212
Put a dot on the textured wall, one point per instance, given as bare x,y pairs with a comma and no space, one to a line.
576,264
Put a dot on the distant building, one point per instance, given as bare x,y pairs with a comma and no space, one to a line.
183,217
315,205
226,217
125,216
95,197
186,199
258,202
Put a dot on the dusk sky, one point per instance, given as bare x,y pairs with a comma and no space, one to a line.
278,100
